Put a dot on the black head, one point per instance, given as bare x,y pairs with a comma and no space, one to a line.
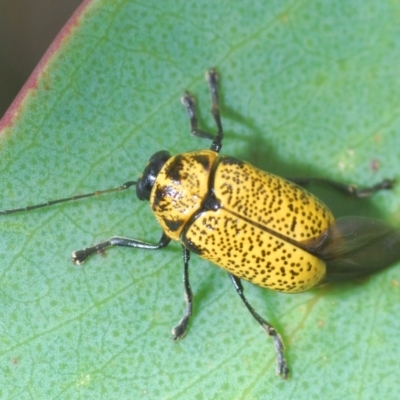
149,176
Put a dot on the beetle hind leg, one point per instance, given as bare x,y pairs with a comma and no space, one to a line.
282,368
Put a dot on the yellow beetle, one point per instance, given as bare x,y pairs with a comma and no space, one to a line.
257,226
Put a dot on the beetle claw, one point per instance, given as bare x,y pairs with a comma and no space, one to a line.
79,256
282,369
179,331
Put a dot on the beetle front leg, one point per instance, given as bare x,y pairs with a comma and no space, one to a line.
190,104
281,367
179,330
79,256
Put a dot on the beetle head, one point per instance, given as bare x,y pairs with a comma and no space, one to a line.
149,176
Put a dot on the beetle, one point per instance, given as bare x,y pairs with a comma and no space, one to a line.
258,226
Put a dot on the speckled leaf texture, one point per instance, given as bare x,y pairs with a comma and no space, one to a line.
308,88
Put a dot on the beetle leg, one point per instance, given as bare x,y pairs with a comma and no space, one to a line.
79,256
351,190
212,78
281,368
190,104
179,330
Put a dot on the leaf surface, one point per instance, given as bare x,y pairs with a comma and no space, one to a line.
307,89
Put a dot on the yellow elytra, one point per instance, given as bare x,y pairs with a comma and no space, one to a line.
245,220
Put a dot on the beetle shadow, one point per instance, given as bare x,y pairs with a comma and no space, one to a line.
261,154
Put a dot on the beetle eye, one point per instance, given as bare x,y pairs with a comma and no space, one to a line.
150,173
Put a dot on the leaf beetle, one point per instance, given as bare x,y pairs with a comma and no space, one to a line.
257,226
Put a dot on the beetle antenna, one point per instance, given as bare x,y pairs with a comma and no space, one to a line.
125,186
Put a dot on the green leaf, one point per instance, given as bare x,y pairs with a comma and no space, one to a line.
307,88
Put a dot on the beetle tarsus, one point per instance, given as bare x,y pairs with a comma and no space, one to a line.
179,331
79,256
282,368
212,78
386,184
